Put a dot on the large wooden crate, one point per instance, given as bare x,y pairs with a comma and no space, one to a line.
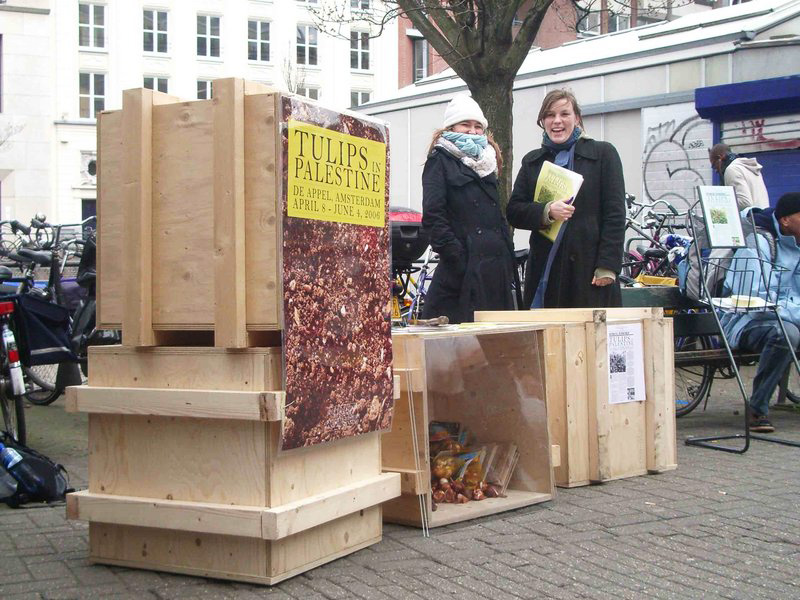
600,441
489,379
188,202
185,474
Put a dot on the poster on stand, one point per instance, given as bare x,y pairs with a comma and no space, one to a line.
336,275
625,363
721,215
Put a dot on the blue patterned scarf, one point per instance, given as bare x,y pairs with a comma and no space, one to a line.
469,144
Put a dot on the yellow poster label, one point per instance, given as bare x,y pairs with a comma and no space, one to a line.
335,176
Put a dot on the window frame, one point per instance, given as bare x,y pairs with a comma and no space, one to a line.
360,94
420,43
308,88
258,41
358,5
92,95
209,89
92,27
307,46
208,37
157,79
359,52
156,32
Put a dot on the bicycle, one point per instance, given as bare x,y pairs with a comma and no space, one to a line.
12,384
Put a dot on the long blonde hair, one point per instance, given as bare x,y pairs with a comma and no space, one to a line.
438,133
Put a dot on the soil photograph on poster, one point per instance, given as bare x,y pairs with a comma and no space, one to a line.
336,275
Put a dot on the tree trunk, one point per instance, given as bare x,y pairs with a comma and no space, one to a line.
496,99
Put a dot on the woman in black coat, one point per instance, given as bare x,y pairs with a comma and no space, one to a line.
585,261
461,213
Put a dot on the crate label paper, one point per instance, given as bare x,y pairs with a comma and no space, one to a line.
335,177
625,363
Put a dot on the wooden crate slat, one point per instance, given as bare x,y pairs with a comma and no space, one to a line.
201,404
291,518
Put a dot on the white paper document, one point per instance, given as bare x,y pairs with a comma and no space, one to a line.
625,363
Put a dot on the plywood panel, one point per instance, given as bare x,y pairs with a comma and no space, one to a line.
660,384
210,555
183,178
110,161
261,211
198,460
303,472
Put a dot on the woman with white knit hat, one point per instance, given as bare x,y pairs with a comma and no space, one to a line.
461,213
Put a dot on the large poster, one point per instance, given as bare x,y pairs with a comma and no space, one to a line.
336,275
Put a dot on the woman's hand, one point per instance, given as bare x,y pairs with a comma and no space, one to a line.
561,211
602,281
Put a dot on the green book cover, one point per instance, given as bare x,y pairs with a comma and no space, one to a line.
556,183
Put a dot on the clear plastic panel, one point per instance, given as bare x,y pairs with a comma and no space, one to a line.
492,384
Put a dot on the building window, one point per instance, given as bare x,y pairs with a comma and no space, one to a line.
156,83
155,31
92,94
306,45
590,24
208,36
91,25
309,92
420,59
359,4
357,98
359,50
258,40
618,22
307,1
204,89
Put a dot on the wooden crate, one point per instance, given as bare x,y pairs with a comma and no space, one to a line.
185,474
488,379
600,441
188,203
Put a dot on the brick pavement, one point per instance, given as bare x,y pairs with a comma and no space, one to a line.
721,526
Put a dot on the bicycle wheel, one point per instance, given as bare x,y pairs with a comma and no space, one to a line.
41,384
692,383
13,416
793,386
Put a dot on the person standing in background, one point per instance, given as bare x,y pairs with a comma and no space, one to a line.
461,213
743,174
579,269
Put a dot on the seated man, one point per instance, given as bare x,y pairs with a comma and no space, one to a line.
759,331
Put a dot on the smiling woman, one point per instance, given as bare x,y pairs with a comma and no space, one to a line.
580,267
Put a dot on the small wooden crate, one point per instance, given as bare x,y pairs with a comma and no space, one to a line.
185,474
489,380
600,441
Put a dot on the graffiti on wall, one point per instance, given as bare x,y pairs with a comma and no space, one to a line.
675,154
762,134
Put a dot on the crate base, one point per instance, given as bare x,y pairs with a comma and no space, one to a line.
405,510
231,557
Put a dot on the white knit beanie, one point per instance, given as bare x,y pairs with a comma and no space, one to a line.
463,108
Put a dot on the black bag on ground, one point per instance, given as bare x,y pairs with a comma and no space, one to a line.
52,480
43,331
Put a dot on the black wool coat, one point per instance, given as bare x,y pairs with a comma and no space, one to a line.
595,233
461,213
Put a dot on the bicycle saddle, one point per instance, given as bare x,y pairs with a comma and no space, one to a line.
5,273
655,253
40,258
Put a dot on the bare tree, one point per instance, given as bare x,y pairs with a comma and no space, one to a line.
483,41
293,76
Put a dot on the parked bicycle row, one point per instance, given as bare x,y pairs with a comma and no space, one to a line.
47,324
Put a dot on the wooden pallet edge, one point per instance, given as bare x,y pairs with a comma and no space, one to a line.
168,402
294,517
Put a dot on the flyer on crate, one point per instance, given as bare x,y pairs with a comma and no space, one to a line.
556,183
625,363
